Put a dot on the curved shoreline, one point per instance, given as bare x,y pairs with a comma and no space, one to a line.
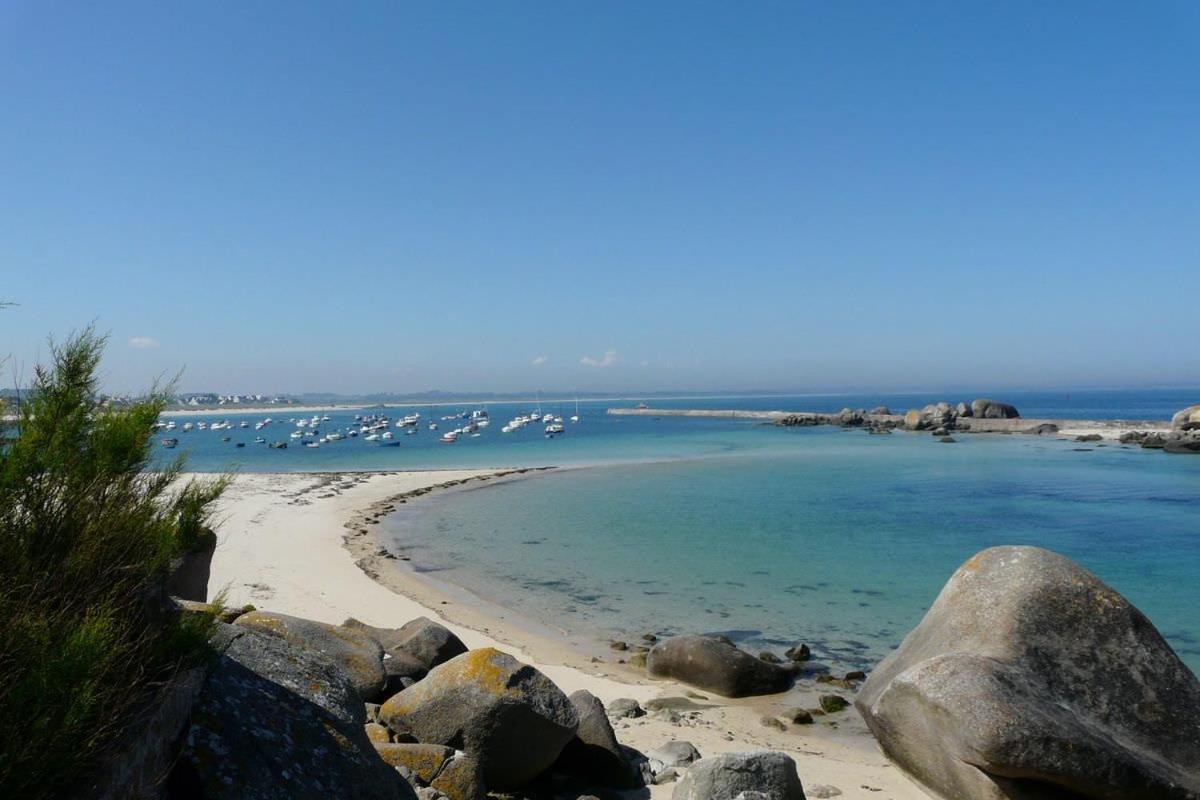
282,546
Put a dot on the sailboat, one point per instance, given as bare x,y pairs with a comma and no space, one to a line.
575,416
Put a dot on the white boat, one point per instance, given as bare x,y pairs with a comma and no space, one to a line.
258,426
312,444
575,417
333,437
385,435
187,426
554,427
371,437
259,440
244,424
449,437
296,434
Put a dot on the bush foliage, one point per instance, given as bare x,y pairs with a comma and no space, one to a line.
88,528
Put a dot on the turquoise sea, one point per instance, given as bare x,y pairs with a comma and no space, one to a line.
771,535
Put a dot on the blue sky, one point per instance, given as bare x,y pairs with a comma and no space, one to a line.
605,196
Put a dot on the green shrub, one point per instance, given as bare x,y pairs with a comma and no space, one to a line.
87,533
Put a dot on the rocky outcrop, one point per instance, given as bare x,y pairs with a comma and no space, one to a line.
358,654
1186,419
449,771
508,716
1182,441
277,721
716,665
762,775
594,753
993,409
1030,678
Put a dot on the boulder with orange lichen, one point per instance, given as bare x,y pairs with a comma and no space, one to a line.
356,652
509,717
452,772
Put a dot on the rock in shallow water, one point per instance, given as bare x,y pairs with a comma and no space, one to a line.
716,665
1030,678
506,714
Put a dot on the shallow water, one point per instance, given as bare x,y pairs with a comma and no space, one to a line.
840,539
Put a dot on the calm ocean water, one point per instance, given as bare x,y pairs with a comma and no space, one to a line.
832,537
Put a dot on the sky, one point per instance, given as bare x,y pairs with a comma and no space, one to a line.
395,197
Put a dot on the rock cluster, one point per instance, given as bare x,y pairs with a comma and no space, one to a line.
295,708
945,417
1030,678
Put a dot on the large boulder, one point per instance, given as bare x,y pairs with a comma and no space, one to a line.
1030,678
511,718
716,665
594,753
422,640
763,775
1186,420
452,772
276,721
992,409
354,651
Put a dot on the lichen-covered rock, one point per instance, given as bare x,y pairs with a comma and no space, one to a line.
358,654
762,774
1030,678
452,772
993,409
594,753
1186,419
276,721
507,715
422,640
716,665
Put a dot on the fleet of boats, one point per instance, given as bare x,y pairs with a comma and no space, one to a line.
376,429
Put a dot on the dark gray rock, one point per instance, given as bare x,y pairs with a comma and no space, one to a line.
1030,678
422,639
277,721
1182,442
798,652
881,411
724,777
1043,429
1154,441
993,409
357,654
717,666
963,410
594,753
505,714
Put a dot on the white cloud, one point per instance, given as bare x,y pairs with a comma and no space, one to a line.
609,358
539,360
143,342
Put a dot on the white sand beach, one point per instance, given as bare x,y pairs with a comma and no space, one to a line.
290,542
